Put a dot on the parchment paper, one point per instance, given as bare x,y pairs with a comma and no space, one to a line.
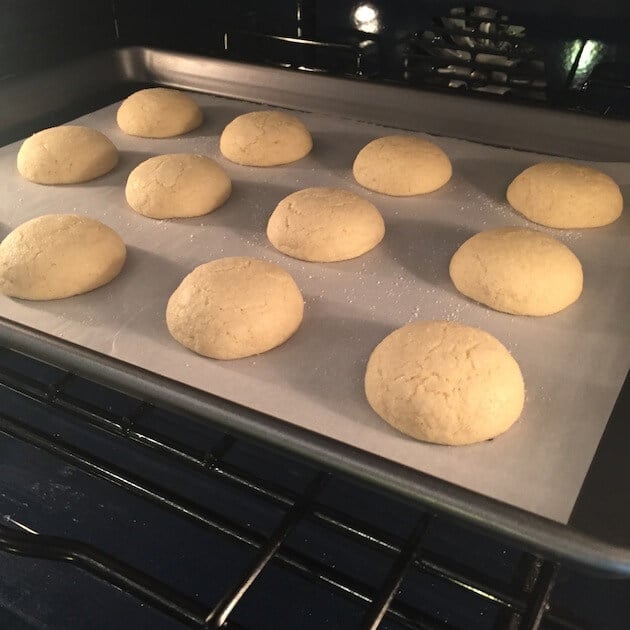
573,363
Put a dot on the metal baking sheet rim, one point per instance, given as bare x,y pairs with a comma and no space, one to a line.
148,66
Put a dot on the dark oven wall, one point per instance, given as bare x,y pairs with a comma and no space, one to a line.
535,52
35,34
563,54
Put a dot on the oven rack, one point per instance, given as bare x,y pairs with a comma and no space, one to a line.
501,586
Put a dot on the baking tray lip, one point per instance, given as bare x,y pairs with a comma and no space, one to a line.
541,535
147,66
436,113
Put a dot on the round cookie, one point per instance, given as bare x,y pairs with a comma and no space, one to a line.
267,138
517,271
69,154
445,383
325,225
57,256
235,307
402,166
177,185
564,195
158,113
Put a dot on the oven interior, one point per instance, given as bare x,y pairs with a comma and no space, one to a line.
144,517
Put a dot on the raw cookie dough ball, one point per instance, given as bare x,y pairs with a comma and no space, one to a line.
325,225
518,271
402,166
158,113
564,195
444,382
177,185
268,138
57,256
235,307
69,154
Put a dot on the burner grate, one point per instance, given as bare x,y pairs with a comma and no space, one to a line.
392,566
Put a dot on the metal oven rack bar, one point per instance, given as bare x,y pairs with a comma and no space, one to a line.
522,602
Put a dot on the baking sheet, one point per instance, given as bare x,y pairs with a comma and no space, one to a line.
574,363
